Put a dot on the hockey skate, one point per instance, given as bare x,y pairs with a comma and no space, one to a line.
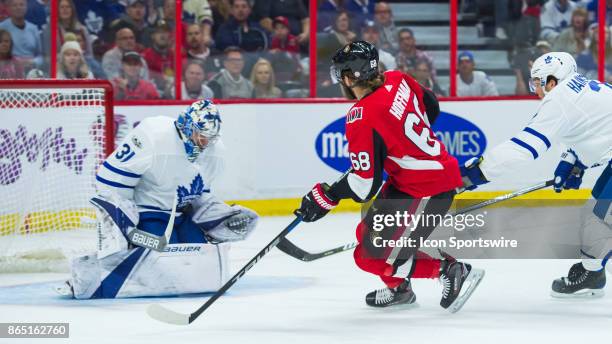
459,280
580,283
386,297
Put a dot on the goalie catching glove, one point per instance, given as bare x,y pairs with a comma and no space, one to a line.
317,203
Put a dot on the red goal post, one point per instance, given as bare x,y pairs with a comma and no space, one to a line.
54,135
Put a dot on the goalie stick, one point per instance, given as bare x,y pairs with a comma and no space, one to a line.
166,315
294,251
152,241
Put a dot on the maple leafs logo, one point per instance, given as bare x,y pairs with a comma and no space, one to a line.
196,188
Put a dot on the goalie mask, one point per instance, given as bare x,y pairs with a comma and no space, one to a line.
200,119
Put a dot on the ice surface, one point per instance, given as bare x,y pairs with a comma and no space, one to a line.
283,300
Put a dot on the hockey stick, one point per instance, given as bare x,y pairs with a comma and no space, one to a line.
166,315
294,251
154,242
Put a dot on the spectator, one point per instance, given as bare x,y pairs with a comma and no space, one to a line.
282,39
294,10
572,39
543,47
284,53
67,22
71,64
196,11
10,67
220,12
96,15
241,32
342,29
556,16
593,10
587,61
160,58
422,74
94,65
408,54
470,82
229,82
522,60
196,47
38,13
199,12
523,24
135,19
193,86
129,85
197,50
359,10
262,79
383,17
111,61
370,34
26,39
327,11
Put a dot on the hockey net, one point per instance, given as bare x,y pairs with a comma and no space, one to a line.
54,135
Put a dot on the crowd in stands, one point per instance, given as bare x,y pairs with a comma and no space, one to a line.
259,48
229,48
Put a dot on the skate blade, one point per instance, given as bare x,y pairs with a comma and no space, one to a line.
470,284
582,294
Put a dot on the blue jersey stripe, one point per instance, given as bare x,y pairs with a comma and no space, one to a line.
121,172
538,135
526,146
113,184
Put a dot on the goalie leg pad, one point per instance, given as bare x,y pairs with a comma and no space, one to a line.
179,269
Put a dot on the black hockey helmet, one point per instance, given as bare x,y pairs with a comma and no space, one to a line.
359,58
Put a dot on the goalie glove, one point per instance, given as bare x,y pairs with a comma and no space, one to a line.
569,172
317,203
471,174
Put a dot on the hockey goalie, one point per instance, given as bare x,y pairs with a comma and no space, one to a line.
160,230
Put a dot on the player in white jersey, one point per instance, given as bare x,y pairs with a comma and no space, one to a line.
163,163
576,112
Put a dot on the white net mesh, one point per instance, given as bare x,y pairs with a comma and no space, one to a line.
51,144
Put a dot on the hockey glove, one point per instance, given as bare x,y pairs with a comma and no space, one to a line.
569,172
316,204
471,174
238,223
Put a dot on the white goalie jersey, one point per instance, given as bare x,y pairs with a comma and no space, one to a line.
150,167
576,113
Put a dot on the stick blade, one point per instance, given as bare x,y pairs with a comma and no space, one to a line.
163,314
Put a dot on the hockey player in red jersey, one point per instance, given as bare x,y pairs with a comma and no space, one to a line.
388,129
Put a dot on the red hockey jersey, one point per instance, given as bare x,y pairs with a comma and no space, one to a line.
389,129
